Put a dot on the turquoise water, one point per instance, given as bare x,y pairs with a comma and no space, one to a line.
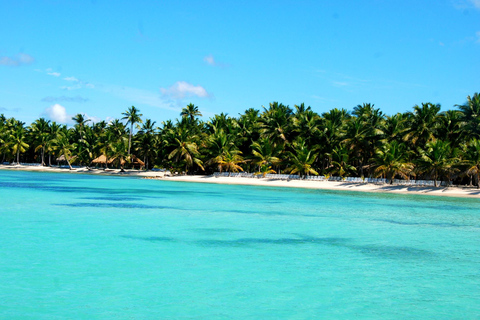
94,247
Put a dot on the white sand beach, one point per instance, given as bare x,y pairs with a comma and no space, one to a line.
455,191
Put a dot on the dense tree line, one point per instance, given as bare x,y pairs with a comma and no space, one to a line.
424,143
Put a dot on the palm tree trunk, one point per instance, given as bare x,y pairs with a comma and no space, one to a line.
130,139
43,157
18,156
66,158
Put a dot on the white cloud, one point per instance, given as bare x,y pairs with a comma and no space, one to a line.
57,113
55,74
182,89
93,118
19,60
71,79
478,36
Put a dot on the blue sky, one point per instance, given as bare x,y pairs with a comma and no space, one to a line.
59,57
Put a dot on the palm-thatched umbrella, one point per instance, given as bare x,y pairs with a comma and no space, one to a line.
103,160
136,162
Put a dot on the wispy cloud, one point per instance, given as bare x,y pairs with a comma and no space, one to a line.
478,36
210,60
475,3
141,96
19,60
2,109
340,83
183,89
55,74
466,4
78,99
77,84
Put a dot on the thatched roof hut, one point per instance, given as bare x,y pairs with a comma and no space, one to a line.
136,162
102,159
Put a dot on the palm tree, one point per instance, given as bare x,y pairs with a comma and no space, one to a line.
146,141
438,159
132,115
185,149
17,138
472,160
301,161
229,161
394,128
340,162
276,123
3,135
40,132
63,145
451,127
50,145
391,160
356,138
265,153
471,115
219,144
423,124
190,112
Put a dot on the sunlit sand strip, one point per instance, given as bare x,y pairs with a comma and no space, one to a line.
333,185
325,185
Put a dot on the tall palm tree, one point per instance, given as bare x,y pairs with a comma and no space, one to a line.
229,161
438,159
301,161
265,153
471,115
17,139
391,160
146,141
132,115
472,160
190,112
340,162
63,145
39,130
423,124
219,144
276,123
451,127
185,149
50,145
356,139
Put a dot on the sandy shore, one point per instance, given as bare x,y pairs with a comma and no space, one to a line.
325,185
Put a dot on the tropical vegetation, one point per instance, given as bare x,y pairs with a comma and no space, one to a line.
424,143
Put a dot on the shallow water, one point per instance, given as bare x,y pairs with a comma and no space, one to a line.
94,247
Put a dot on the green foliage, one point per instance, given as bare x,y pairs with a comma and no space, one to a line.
424,142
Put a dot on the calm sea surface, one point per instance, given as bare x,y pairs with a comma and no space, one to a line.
94,247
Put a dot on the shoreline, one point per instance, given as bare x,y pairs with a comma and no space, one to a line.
465,192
